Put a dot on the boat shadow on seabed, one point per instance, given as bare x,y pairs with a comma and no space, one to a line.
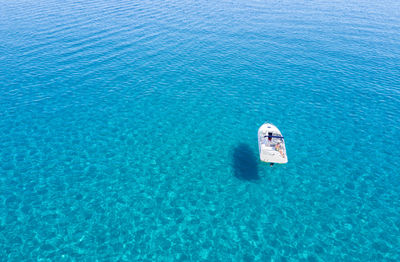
245,163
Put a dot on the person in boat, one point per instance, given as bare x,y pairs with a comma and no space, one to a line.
278,147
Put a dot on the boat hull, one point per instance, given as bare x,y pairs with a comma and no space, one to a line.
271,144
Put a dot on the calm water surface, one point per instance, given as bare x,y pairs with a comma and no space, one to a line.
128,130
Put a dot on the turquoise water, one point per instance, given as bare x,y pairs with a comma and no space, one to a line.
128,130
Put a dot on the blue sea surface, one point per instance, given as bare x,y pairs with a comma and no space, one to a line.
128,130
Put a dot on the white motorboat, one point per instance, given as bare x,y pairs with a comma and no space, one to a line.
271,144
